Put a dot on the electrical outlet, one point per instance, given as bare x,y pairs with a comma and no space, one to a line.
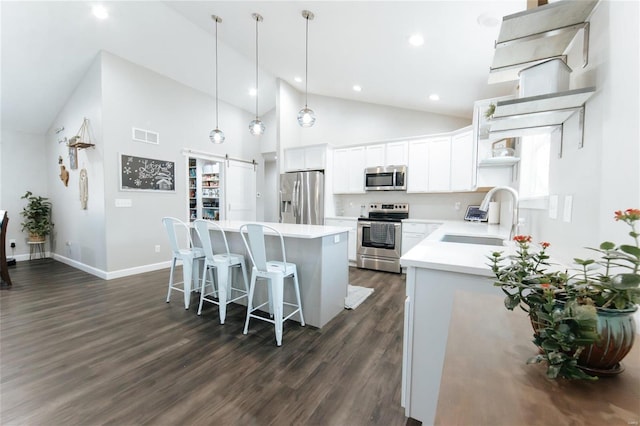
157,248
457,205
12,243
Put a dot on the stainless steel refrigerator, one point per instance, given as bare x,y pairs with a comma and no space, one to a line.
302,198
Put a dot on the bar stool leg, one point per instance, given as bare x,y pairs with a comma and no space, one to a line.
252,287
295,283
278,305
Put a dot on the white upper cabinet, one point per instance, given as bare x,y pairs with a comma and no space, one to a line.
439,164
374,155
387,154
305,158
348,170
417,177
397,154
429,165
463,162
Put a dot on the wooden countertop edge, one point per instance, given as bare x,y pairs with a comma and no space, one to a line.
486,381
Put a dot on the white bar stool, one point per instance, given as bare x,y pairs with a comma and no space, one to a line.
274,272
222,263
182,248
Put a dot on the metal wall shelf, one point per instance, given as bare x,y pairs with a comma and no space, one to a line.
499,162
536,114
546,32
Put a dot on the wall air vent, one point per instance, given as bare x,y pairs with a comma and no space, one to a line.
147,136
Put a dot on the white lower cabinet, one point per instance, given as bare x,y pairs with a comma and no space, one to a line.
352,224
430,295
414,233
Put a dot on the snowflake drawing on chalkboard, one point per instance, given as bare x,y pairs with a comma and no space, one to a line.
147,174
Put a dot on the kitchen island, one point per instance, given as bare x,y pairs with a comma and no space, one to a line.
435,271
321,255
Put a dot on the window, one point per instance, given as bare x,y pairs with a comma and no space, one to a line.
534,165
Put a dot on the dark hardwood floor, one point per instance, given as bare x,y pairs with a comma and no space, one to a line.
78,350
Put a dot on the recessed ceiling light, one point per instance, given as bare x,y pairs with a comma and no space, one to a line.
253,92
357,88
100,12
434,97
486,20
297,79
416,40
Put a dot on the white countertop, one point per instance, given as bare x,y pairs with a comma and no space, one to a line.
432,253
342,217
291,230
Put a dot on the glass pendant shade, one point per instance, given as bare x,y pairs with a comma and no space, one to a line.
306,117
216,136
256,127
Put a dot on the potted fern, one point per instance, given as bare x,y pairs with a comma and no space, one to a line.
37,217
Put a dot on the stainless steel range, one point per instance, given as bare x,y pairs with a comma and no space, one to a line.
380,237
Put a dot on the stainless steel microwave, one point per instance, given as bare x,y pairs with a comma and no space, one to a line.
389,178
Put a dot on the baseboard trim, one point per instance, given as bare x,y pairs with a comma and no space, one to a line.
113,274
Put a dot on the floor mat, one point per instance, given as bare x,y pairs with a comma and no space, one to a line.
356,295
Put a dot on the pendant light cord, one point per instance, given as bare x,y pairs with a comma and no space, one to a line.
216,73
306,63
257,20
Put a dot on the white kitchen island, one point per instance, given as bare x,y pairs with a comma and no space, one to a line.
435,271
321,255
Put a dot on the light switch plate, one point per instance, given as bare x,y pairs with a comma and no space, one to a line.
123,202
568,205
336,238
553,206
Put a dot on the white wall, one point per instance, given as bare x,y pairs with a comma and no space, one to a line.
22,169
135,96
343,122
79,234
604,176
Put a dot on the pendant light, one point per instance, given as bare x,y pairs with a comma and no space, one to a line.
256,127
216,136
306,116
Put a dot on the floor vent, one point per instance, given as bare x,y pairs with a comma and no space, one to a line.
147,136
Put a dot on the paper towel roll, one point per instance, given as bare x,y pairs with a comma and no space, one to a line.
494,213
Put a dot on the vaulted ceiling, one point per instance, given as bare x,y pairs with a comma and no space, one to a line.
48,46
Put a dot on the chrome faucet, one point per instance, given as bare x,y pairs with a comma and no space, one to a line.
484,206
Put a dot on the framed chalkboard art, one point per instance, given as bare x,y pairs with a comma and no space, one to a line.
146,174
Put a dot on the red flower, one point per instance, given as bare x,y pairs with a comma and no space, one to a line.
522,238
544,244
629,215
545,285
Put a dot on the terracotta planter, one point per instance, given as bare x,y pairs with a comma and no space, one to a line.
617,329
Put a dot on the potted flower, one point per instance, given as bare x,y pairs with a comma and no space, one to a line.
37,217
583,323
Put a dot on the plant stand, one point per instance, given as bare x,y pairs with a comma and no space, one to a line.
36,250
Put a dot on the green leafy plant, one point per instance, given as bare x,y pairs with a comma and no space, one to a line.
490,111
563,308
37,215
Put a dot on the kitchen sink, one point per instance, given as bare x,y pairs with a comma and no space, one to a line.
468,239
